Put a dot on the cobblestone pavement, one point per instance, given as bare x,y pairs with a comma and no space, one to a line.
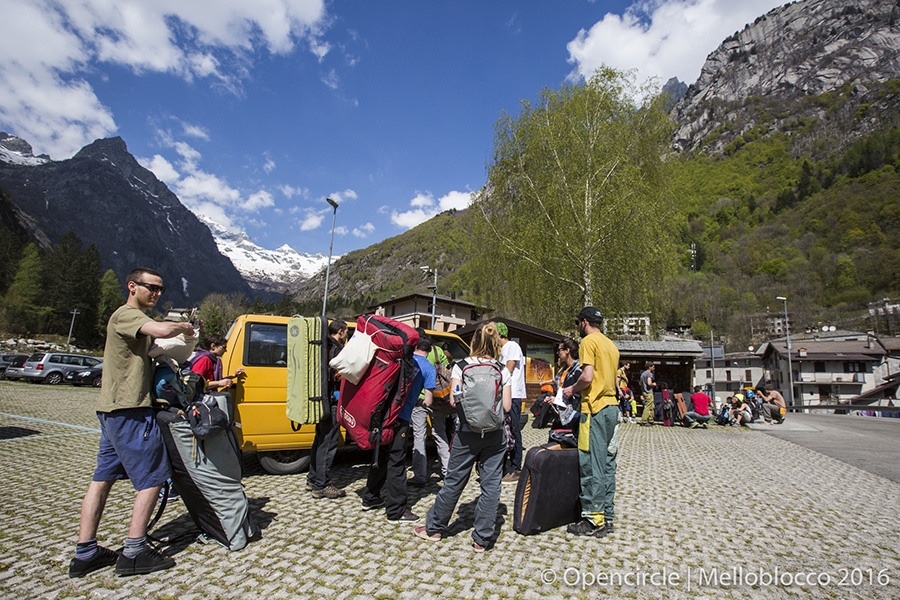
717,513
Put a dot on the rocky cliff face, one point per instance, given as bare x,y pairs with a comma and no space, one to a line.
109,200
786,61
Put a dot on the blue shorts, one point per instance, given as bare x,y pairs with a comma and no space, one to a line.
131,447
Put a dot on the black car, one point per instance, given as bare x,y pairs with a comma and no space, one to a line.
92,377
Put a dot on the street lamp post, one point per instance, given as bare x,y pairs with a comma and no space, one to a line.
787,332
71,327
429,271
334,205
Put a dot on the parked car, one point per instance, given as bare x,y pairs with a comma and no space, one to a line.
92,377
51,367
13,370
5,359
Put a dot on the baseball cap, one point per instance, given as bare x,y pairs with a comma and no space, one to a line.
590,313
503,330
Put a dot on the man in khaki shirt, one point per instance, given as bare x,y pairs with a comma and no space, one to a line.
131,446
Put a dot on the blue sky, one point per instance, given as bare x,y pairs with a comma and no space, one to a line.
255,112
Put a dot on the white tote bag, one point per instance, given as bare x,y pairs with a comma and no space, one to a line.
353,360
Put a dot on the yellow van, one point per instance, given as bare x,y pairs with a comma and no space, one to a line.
258,344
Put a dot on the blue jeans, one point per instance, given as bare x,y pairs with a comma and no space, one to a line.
597,467
691,417
490,452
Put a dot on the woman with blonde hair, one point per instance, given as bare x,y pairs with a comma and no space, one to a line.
487,449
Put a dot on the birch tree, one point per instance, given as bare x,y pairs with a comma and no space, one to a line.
575,209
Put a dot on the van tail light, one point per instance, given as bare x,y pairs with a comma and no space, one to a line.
40,367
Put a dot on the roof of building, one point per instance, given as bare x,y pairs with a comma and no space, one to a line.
642,348
427,297
856,349
514,326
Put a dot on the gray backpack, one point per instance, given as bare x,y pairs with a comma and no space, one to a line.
482,395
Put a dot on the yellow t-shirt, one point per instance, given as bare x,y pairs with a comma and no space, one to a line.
599,351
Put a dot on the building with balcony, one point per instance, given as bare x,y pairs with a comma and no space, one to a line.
830,370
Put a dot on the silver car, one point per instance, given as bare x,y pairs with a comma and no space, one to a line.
51,367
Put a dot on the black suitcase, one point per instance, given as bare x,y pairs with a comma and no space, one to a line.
548,490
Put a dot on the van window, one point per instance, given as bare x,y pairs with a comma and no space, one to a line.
452,347
266,345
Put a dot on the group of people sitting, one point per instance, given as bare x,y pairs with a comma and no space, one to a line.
763,402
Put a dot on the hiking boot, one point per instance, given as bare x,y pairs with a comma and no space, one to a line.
148,561
695,425
408,516
310,486
582,527
103,558
478,547
511,477
604,529
329,491
704,425
423,533
374,505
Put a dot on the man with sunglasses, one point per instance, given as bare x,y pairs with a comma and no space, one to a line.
131,446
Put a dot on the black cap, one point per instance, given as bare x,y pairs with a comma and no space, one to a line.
590,313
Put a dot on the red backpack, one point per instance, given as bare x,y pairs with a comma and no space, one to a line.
369,408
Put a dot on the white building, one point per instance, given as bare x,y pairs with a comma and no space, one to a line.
825,370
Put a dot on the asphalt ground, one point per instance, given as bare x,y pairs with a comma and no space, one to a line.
870,443
702,513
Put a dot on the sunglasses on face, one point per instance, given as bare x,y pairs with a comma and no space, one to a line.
151,287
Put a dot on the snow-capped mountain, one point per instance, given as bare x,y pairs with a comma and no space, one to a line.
266,270
16,151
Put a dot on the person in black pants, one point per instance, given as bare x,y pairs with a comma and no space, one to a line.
328,431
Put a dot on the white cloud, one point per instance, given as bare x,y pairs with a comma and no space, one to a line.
162,168
290,191
363,230
258,200
425,207
48,44
312,221
195,131
665,38
340,230
342,197
269,166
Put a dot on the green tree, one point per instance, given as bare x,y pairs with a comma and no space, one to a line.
111,297
218,311
25,307
71,281
575,209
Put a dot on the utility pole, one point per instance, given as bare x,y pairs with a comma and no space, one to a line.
71,327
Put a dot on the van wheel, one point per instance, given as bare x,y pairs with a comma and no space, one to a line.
54,378
284,462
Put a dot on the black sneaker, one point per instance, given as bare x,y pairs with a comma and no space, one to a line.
104,558
408,516
373,505
604,529
148,561
582,527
